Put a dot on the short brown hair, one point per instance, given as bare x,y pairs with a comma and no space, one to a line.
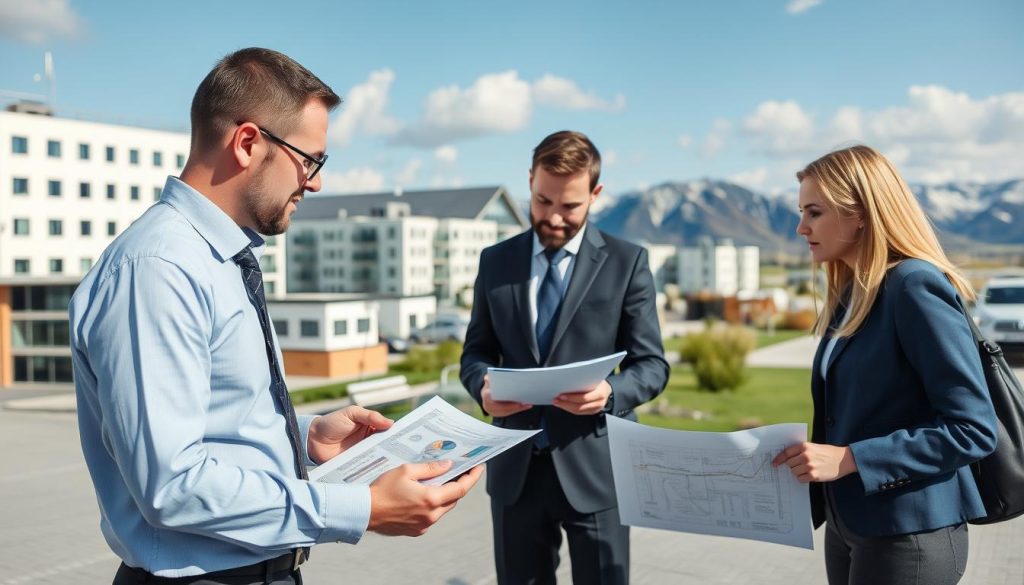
567,153
257,85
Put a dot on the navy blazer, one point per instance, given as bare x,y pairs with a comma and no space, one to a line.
608,307
907,394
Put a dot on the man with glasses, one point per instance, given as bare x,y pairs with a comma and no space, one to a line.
196,454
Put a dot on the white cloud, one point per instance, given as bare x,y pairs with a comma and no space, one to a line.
407,176
559,92
354,180
782,127
609,158
685,141
446,154
715,140
364,110
753,179
798,6
937,135
497,102
38,21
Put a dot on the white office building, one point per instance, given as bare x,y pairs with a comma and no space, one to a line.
722,268
406,244
69,187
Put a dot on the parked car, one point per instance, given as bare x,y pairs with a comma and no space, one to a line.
395,344
1000,312
442,329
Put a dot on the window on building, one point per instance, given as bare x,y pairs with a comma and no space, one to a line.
21,226
56,265
158,158
83,151
133,156
111,228
412,321
180,160
134,190
84,264
363,326
309,328
53,188
85,227
84,190
391,232
156,193
281,327
19,186
341,327
53,148
42,369
19,144
21,266
391,271
56,227
270,288
111,191
110,154
392,252
268,263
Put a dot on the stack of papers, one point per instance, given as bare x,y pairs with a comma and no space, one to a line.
433,432
541,385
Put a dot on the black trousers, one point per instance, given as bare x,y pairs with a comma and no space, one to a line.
131,576
528,534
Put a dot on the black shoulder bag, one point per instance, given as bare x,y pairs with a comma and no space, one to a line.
1000,476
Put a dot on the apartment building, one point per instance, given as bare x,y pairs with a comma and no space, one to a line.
407,244
721,268
67,189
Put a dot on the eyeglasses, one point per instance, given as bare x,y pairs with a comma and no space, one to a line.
311,163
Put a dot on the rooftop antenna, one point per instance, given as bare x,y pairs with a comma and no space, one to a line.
51,79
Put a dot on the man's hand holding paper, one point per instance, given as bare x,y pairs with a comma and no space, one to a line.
585,402
579,387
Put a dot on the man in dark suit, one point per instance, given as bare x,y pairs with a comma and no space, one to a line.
559,293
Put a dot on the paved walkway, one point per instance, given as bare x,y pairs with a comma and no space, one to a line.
49,525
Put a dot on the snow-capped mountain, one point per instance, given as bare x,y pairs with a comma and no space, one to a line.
680,212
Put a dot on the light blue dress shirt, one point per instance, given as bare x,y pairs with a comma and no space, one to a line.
186,447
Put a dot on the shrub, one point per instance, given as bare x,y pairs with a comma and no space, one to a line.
799,320
718,356
422,359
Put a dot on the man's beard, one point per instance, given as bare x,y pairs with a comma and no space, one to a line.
270,219
561,235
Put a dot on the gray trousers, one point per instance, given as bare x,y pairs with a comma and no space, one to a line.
934,557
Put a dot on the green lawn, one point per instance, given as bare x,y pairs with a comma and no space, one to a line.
771,395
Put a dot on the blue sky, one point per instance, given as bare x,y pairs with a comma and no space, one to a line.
449,93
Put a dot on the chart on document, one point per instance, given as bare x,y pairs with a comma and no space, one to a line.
710,483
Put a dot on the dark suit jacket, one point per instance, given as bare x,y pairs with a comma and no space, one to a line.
608,307
908,395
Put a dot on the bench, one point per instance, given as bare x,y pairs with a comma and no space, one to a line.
383,391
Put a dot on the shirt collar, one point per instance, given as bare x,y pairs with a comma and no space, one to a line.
572,246
210,221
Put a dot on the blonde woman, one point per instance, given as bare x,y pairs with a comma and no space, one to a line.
900,403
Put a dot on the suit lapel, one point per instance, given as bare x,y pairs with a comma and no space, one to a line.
588,264
521,263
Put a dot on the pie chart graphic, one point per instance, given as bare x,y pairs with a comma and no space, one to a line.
437,449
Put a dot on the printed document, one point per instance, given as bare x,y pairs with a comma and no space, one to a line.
434,431
721,484
541,385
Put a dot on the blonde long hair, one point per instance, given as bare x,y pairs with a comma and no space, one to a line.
860,181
